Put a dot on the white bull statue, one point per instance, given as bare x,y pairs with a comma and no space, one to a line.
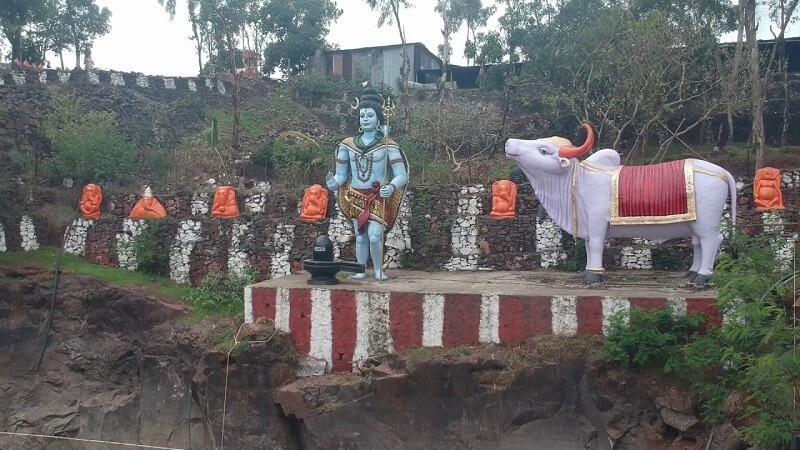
598,198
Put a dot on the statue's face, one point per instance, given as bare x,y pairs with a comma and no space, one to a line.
368,119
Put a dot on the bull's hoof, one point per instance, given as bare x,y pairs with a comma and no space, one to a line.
592,277
701,280
690,275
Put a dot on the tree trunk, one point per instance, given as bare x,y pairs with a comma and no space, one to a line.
77,55
61,57
757,96
785,128
445,51
16,45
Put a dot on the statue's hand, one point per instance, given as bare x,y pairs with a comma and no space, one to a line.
387,190
330,181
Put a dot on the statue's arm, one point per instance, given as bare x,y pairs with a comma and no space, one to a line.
342,169
398,163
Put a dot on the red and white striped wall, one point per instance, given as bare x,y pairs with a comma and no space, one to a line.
345,327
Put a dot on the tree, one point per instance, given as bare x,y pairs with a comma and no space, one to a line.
474,15
389,11
15,16
83,22
296,30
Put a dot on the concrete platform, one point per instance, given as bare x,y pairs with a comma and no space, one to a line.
343,325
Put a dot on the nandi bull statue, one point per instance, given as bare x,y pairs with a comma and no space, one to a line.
598,198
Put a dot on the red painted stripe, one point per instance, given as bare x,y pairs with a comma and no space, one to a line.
707,307
405,319
300,319
648,303
590,315
462,318
343,310
524,316
263,303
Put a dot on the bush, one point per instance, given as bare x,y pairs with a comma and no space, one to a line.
650,338
150,257
220,293
87,146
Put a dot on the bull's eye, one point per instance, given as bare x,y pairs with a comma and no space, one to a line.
543,150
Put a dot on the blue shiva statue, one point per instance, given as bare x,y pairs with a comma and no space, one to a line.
371,176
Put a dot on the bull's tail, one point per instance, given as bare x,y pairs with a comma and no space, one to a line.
732,193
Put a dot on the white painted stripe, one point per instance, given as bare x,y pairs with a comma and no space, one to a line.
489,331
373,334
361,351
282,309
677,305
432,320
613,306
248,304
321,326
564,310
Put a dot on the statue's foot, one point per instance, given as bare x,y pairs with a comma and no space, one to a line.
380,276
690,275
359,276
593,277
701,280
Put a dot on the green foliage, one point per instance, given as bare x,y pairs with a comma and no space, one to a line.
87,146
46,257
313,88
649,338
298,28
150,255
576,256
220,293
752,357
293,154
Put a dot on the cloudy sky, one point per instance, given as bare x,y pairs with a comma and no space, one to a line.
143,39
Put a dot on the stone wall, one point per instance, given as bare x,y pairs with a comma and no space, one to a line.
438,229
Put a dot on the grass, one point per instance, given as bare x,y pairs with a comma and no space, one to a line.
46,257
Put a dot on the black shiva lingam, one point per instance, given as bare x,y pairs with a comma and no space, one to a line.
323,268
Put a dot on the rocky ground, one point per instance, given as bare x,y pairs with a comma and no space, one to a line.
123,365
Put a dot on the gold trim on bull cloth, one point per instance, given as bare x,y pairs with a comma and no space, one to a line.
595,168
351,204
688,216
712,173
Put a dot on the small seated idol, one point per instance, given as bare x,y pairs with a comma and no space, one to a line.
767,189
504,200
371,177
91,199
225,203
315,204
148,207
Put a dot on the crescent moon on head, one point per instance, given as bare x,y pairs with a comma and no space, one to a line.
356,105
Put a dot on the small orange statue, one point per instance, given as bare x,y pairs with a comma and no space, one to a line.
315,204
767,189
148,207
504,200
225,202
91,199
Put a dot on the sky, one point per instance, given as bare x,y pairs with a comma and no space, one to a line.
143,39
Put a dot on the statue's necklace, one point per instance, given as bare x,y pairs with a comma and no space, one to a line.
364,158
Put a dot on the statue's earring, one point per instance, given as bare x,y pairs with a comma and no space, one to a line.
360,130
378,128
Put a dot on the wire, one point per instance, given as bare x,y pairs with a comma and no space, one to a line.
56,278
98,441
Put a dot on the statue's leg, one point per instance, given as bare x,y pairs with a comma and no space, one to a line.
594,259
362,250
697,255
709,246
375,231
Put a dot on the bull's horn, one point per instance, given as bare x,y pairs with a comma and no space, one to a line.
569,151
356,105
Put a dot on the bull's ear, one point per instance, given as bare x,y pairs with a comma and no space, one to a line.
564,162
